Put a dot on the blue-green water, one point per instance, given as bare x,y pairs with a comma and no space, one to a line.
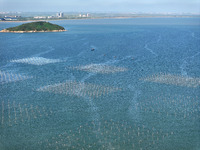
139,89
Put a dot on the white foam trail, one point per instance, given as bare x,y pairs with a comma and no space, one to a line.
95,114
195,55
86,43
92,46
134,105
83,39
72,77
159,38
87,50
19,36
193,35
45,52
191,57
184,64
81,53
93,109
183,68
111,61
150,50
87,77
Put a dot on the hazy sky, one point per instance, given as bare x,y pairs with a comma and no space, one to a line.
162,6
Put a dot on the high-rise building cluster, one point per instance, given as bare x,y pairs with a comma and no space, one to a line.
84,15
60,14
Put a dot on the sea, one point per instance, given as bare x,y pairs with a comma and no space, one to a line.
104,84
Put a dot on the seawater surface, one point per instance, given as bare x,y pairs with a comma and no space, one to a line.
104,84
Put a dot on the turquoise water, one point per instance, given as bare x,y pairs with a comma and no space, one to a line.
139,89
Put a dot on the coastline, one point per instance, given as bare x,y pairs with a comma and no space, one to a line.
120,17
7,31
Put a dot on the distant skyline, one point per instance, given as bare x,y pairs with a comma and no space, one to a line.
114,6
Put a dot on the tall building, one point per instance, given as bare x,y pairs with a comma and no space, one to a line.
60,14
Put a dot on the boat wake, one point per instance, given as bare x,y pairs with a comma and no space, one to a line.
87,77
183,68
134,105
45,52
150,50
193,35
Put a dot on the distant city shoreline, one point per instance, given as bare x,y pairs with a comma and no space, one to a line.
55,19
26,17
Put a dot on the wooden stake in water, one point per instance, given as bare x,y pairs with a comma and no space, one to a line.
33,114
20,109
15,112
2,120
27,114
9,121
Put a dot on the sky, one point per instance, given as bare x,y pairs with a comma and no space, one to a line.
115,6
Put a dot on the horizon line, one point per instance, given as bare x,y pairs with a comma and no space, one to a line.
106,12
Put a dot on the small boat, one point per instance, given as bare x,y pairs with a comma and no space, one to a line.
92,49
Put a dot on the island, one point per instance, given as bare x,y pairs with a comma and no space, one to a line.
40,26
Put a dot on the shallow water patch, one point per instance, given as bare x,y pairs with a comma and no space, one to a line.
79,89
171,79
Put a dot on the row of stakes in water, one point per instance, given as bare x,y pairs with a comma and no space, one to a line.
107,134
99,68
6,77
172,79
179,106
95,68
115,135
13,113
111,134
184,106
36,61
79,89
